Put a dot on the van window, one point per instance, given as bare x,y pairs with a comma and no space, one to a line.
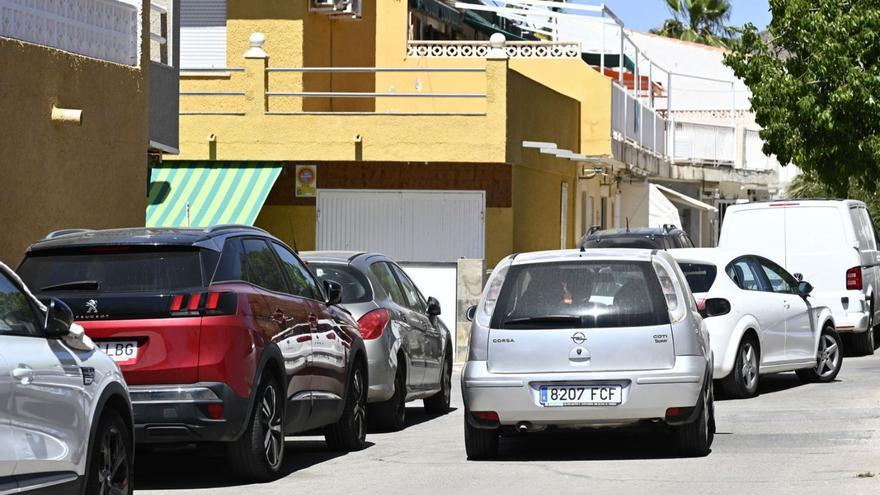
580,294
863,229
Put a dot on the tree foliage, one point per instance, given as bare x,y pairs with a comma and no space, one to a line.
808,185
815,83
700,21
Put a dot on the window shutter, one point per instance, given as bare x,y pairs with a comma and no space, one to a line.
202,34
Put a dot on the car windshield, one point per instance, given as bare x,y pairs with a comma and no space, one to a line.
355,288
637,242
700,276
113,270
580,294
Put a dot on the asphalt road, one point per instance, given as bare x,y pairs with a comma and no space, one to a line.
792,438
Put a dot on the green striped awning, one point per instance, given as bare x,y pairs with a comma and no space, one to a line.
216,193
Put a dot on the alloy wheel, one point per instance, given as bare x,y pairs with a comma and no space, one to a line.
749,360
828,356
114,474
359,411
270,420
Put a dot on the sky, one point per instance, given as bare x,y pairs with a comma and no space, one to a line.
643,15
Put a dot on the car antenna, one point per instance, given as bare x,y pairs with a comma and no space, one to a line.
627,224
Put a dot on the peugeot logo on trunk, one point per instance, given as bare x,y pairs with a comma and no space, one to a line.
579,338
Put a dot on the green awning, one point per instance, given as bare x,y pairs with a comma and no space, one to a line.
612,61
482,24
216,193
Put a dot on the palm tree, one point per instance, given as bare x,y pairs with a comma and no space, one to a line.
700,21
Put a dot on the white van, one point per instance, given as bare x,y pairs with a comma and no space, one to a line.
830,243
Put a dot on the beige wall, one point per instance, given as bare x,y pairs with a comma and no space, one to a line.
55,176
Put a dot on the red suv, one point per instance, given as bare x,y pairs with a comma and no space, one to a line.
223,335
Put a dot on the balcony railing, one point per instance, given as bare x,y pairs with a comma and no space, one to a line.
634,122
704,144
102,29
480,49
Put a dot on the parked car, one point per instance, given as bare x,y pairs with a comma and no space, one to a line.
831,243
223,335
665,237
65,416
601,338
409,349
760,320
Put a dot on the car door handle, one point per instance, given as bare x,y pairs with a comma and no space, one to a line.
24,374
786,305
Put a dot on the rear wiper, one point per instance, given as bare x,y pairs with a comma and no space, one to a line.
77,285
544,319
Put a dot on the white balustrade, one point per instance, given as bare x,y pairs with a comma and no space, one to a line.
102,29
480,49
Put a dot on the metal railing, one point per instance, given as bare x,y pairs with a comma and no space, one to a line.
636,123
102,29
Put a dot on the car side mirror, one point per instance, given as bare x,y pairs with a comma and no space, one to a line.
715,307
433,306
798,276
804,288
334,292
59,318
471,313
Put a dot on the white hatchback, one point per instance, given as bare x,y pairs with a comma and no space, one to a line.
760,320
65,415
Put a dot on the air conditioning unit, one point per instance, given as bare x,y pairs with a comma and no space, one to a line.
347,8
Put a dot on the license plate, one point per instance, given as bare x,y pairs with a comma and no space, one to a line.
581,395
121,351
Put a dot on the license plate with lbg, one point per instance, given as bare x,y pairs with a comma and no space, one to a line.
581,395
119,351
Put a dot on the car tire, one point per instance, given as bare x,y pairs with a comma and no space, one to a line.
439,402
742,381
863,343
111,461
480,443
350,432
390,415
259,451
829,359
695,438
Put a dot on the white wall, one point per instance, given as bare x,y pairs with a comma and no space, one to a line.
437,280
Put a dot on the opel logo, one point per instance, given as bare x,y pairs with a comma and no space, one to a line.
579,338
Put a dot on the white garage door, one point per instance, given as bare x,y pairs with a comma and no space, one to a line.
408,226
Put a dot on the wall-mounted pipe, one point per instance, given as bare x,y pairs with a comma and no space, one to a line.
67,115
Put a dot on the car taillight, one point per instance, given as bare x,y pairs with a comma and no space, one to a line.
210,303
373,323
854,278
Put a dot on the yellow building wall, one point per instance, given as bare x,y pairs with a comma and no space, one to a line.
57,176
295,225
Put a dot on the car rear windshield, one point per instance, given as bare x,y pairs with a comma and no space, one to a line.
699,276
355,288
580,294
113,269
624,242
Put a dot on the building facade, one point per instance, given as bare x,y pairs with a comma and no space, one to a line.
88,98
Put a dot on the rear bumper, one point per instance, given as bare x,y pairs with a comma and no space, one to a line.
179,413
381,369
851,322
646,394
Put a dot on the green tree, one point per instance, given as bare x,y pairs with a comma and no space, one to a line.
808,185
815,83
700,21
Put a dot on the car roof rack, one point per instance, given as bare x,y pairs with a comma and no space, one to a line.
232,226
59,233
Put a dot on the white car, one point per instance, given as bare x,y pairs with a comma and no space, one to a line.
65,415
760,320
831,243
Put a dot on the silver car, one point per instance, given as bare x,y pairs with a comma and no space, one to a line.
585,339
409,349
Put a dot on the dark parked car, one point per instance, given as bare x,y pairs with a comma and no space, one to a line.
665,237
223,335
409,350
